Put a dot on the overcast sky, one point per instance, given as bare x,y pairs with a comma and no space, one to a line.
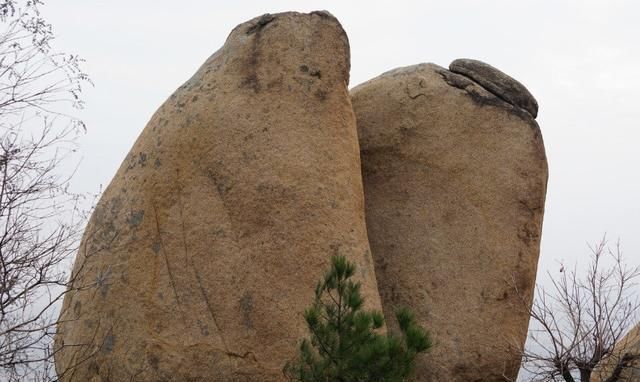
580,59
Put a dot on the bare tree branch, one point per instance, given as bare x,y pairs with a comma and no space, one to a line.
40,218
577,323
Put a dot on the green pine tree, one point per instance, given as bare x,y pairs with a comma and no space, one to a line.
345,343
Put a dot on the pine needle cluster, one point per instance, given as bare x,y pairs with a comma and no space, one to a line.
346,343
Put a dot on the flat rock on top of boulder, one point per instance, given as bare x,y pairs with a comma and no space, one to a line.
497,82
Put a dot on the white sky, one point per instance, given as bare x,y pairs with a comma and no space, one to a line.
580,59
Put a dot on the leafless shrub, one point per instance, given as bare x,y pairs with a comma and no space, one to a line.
578,320
40,218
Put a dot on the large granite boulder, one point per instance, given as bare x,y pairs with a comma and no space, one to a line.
624,361
455,178
207,245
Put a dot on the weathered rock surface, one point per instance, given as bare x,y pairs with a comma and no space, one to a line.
629,345
498,83
207,245
455,182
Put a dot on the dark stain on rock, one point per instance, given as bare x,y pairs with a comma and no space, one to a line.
503,296
77,307
186,123
248,156
534,209
153,361
156,246
251,79
498,83
484,97
246,307
277,83
157,163
260,23
343,34
204,330
103,236
102,281
407,131
140,159
109,342
320,94
311,72
194,99
221,182
132,162
135,218
161,123
193,85
116,205
528,234
324,15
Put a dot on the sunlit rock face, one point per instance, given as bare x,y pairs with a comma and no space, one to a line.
206,247
455,178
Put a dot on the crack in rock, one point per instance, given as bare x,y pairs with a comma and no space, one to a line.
497,83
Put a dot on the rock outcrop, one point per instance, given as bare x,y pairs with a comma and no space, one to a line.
455,181
206,247
498,83
624,361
